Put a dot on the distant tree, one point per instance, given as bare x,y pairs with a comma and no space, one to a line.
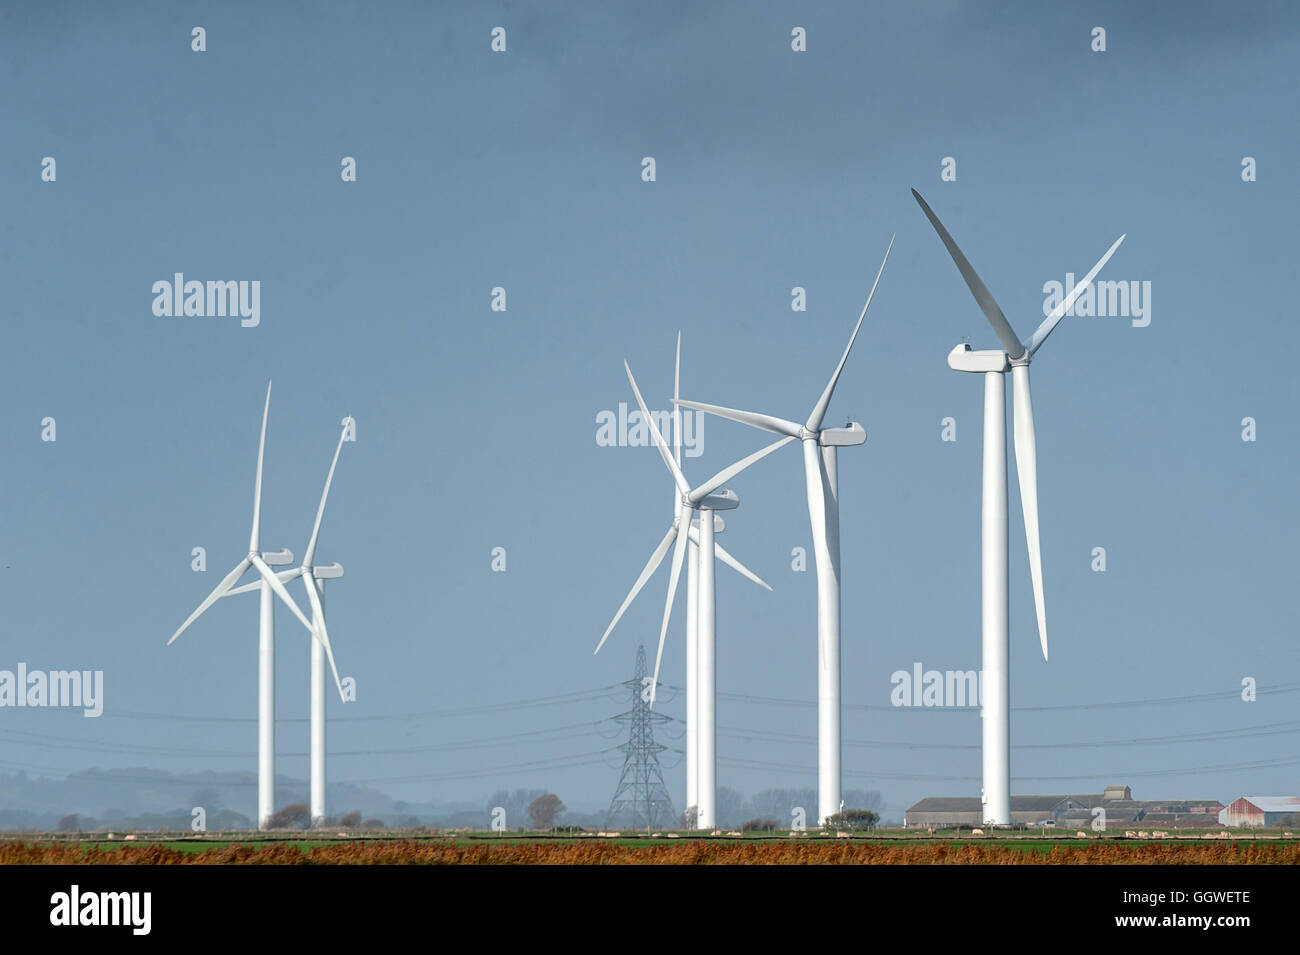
689,818
70,823
864,799
729,806
780,803
515,803
853,820
209,798
372,824
228,819
351,820
760,825
544,809
293,816
1289,820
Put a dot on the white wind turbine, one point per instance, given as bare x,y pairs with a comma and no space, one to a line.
269,583
314,578
822,479
690,500
995,696
701,710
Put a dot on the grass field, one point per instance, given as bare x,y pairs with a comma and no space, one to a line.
480,848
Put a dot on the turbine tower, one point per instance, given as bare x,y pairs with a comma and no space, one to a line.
268,584
695,706
316,580
704,500
641,795
821,475
995,696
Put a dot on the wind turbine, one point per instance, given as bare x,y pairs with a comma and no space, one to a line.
995,697
705,501
314,578
700,713
269,583
821,475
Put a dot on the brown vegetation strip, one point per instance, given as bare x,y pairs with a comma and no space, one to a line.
599,852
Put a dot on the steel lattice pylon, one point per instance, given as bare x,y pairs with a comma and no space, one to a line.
641,800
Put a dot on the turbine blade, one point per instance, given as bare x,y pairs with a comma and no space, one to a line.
734,564
819,410
679,551
319,631
324,496
1027,470
727,473
658,438
982,295
253,546
1050,322
217,593
677,411
284,575
656,558
278,587
760,421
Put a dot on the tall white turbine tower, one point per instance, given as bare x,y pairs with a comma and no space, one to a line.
314,579
995,695
268,584
694,705
690,500
822,479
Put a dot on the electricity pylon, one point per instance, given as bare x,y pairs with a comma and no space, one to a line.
641,797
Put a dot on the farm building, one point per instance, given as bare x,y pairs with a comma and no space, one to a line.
1074,810
1261,811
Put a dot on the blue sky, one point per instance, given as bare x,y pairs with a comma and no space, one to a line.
476,429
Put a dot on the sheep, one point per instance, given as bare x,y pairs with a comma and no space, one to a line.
1081,835
1129,834
977,832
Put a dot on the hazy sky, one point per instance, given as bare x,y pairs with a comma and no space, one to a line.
477,429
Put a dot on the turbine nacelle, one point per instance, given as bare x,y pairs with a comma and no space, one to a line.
850,436
328,571
964,358
277,558
723,500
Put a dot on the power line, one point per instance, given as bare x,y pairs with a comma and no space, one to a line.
1208,736
547,735
1279,688
1190,771
577,696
